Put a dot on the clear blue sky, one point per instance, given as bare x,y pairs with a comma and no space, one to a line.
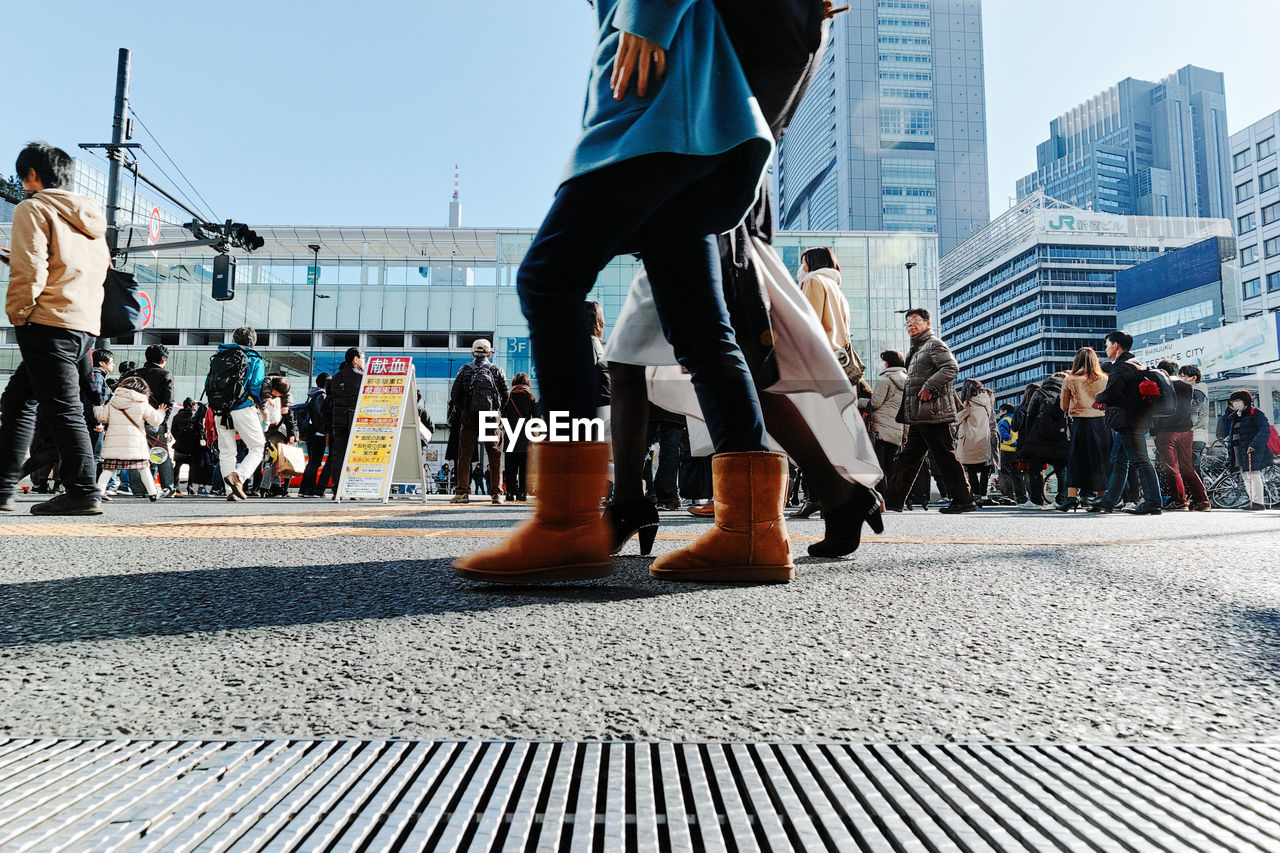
329,113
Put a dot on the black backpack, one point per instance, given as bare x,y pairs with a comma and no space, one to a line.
302,417
226,385
1049,424
1164,401
193,431
482,391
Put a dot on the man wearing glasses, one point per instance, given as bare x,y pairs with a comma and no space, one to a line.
928,410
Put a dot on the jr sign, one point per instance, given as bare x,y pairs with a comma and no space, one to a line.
1082,222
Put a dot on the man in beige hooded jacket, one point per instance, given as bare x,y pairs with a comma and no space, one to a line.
57,264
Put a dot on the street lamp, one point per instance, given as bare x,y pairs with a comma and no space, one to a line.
909,265
315,280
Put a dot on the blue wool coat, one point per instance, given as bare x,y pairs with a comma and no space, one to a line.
702,106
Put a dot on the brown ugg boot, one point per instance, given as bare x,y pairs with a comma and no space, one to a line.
567,538
749,542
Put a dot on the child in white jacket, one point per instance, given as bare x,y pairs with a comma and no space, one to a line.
125,446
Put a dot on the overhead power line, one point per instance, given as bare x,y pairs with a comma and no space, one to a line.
208,207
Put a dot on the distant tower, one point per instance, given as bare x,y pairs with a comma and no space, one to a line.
455,206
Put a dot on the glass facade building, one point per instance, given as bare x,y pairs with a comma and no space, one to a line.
1141,149
892,134
1255,184
428,293
1019,299
1182,292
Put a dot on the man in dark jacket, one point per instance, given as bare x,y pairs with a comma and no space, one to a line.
314,436
1173,434
1043,440
340,403
480,386
189,445
928,410
1128,415
160,381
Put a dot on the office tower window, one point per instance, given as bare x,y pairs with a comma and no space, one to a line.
1266,147
1241,159
1248,255
1268,180
1252,288
1271,213
1244,191
1245,224
1271,247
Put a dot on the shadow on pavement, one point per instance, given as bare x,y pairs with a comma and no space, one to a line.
169,603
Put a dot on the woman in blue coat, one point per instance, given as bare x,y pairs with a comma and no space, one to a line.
672,152
1247,432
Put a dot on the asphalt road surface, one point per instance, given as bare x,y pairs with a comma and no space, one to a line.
199,618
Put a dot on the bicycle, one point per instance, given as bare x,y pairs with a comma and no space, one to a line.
1227,490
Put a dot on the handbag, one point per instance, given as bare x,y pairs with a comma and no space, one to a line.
852,364
121,305
290,459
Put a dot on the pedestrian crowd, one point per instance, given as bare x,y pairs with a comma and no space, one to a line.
741,372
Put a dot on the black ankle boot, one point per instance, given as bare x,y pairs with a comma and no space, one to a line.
810,507
636,517
843,525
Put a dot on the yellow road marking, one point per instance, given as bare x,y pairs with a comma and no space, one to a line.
339,523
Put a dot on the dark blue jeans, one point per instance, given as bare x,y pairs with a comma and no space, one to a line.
1133,454
54,370
650,204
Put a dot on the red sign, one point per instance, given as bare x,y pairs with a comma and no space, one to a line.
153,233
147,308
383,365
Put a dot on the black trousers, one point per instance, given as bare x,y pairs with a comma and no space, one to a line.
666,479
517,474
53,374
338,436
315,462
921,440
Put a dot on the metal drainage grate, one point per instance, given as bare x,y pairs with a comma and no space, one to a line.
437,795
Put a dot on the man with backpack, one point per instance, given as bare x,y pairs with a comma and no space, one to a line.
188,445
1174,436
340,407
309,415
234,389
1043,441
479,387
1128,412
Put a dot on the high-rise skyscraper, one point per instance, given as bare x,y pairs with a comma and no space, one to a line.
892,135
1141,149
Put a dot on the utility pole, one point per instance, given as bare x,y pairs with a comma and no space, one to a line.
119,133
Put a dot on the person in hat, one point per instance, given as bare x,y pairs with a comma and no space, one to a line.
479,387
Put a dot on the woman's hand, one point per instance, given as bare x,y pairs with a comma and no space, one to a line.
634,56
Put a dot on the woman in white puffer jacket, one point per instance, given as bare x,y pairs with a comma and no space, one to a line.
125,446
